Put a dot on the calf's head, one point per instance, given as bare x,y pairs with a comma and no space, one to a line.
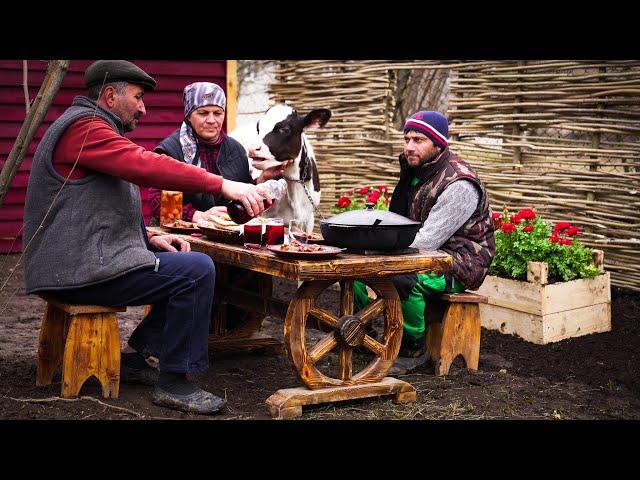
280,135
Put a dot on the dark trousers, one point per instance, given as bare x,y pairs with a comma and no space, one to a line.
176,330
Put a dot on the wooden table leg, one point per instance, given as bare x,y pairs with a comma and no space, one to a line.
346,331
245,335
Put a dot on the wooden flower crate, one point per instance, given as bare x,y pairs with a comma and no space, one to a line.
543,313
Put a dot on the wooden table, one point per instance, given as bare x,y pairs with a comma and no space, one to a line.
343,331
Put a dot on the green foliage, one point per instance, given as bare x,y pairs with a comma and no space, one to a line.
521,239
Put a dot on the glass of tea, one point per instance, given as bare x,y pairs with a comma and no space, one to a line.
297,232
170,207
252,234
274,232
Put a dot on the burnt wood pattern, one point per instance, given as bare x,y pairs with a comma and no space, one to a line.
85,340
288,402
342,332
344,266
457,332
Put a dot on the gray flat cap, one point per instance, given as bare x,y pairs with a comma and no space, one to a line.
117,71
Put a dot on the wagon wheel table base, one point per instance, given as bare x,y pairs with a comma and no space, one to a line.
341,334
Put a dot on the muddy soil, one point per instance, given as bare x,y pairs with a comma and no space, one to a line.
591,377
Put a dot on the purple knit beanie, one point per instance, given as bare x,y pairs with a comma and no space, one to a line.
433,124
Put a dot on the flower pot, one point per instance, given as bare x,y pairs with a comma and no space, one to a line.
542,313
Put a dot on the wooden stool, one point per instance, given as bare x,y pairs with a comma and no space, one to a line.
457,332
86,340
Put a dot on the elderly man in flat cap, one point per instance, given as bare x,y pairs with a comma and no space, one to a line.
441,190
85,240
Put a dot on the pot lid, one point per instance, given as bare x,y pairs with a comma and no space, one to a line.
370,217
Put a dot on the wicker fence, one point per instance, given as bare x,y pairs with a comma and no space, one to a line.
558,135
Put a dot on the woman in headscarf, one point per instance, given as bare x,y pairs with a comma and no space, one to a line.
201,141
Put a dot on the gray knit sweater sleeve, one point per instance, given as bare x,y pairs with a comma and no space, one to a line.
453,208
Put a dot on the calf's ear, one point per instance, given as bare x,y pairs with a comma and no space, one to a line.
317,118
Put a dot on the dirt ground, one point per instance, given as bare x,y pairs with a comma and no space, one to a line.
591,377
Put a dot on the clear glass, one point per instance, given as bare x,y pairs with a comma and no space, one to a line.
296,232
252,234
274,232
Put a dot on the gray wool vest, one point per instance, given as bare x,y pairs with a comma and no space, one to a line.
92,233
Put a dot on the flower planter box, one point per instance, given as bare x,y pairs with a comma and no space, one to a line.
543,313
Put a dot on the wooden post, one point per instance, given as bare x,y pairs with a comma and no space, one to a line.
232,94
595,143
56,71
538,272
516,132
598,259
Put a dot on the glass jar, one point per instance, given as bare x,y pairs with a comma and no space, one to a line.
170,207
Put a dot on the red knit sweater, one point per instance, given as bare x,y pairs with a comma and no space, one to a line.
107,152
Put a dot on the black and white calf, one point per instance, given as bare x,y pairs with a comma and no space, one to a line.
279,137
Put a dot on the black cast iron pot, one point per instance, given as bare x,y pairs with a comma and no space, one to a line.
369,229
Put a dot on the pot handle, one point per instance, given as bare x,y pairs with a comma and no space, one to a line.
376,223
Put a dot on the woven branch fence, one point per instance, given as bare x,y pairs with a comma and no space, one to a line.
562,136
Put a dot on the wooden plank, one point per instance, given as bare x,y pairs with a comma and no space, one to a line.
512,322
464,297
345,266
549,328
538,272
79,309
92,349
514,294
598,259
577,322
232,94
563,296
546,299
287,403
252,342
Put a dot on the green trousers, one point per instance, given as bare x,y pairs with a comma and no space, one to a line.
413,304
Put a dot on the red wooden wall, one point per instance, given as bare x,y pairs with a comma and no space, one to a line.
164,114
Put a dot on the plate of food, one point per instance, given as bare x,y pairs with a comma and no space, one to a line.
307,251
181,226
221,229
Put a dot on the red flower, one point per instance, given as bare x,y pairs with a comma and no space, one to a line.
526,214
344,202
528,228
554,238
572,231
372,198
516,219
496,216
387,200
566,241
508,227
561,226
383,188
364,190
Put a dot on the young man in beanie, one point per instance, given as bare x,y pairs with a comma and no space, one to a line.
85,240
441,190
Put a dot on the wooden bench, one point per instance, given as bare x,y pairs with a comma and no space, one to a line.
85,339
454,329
